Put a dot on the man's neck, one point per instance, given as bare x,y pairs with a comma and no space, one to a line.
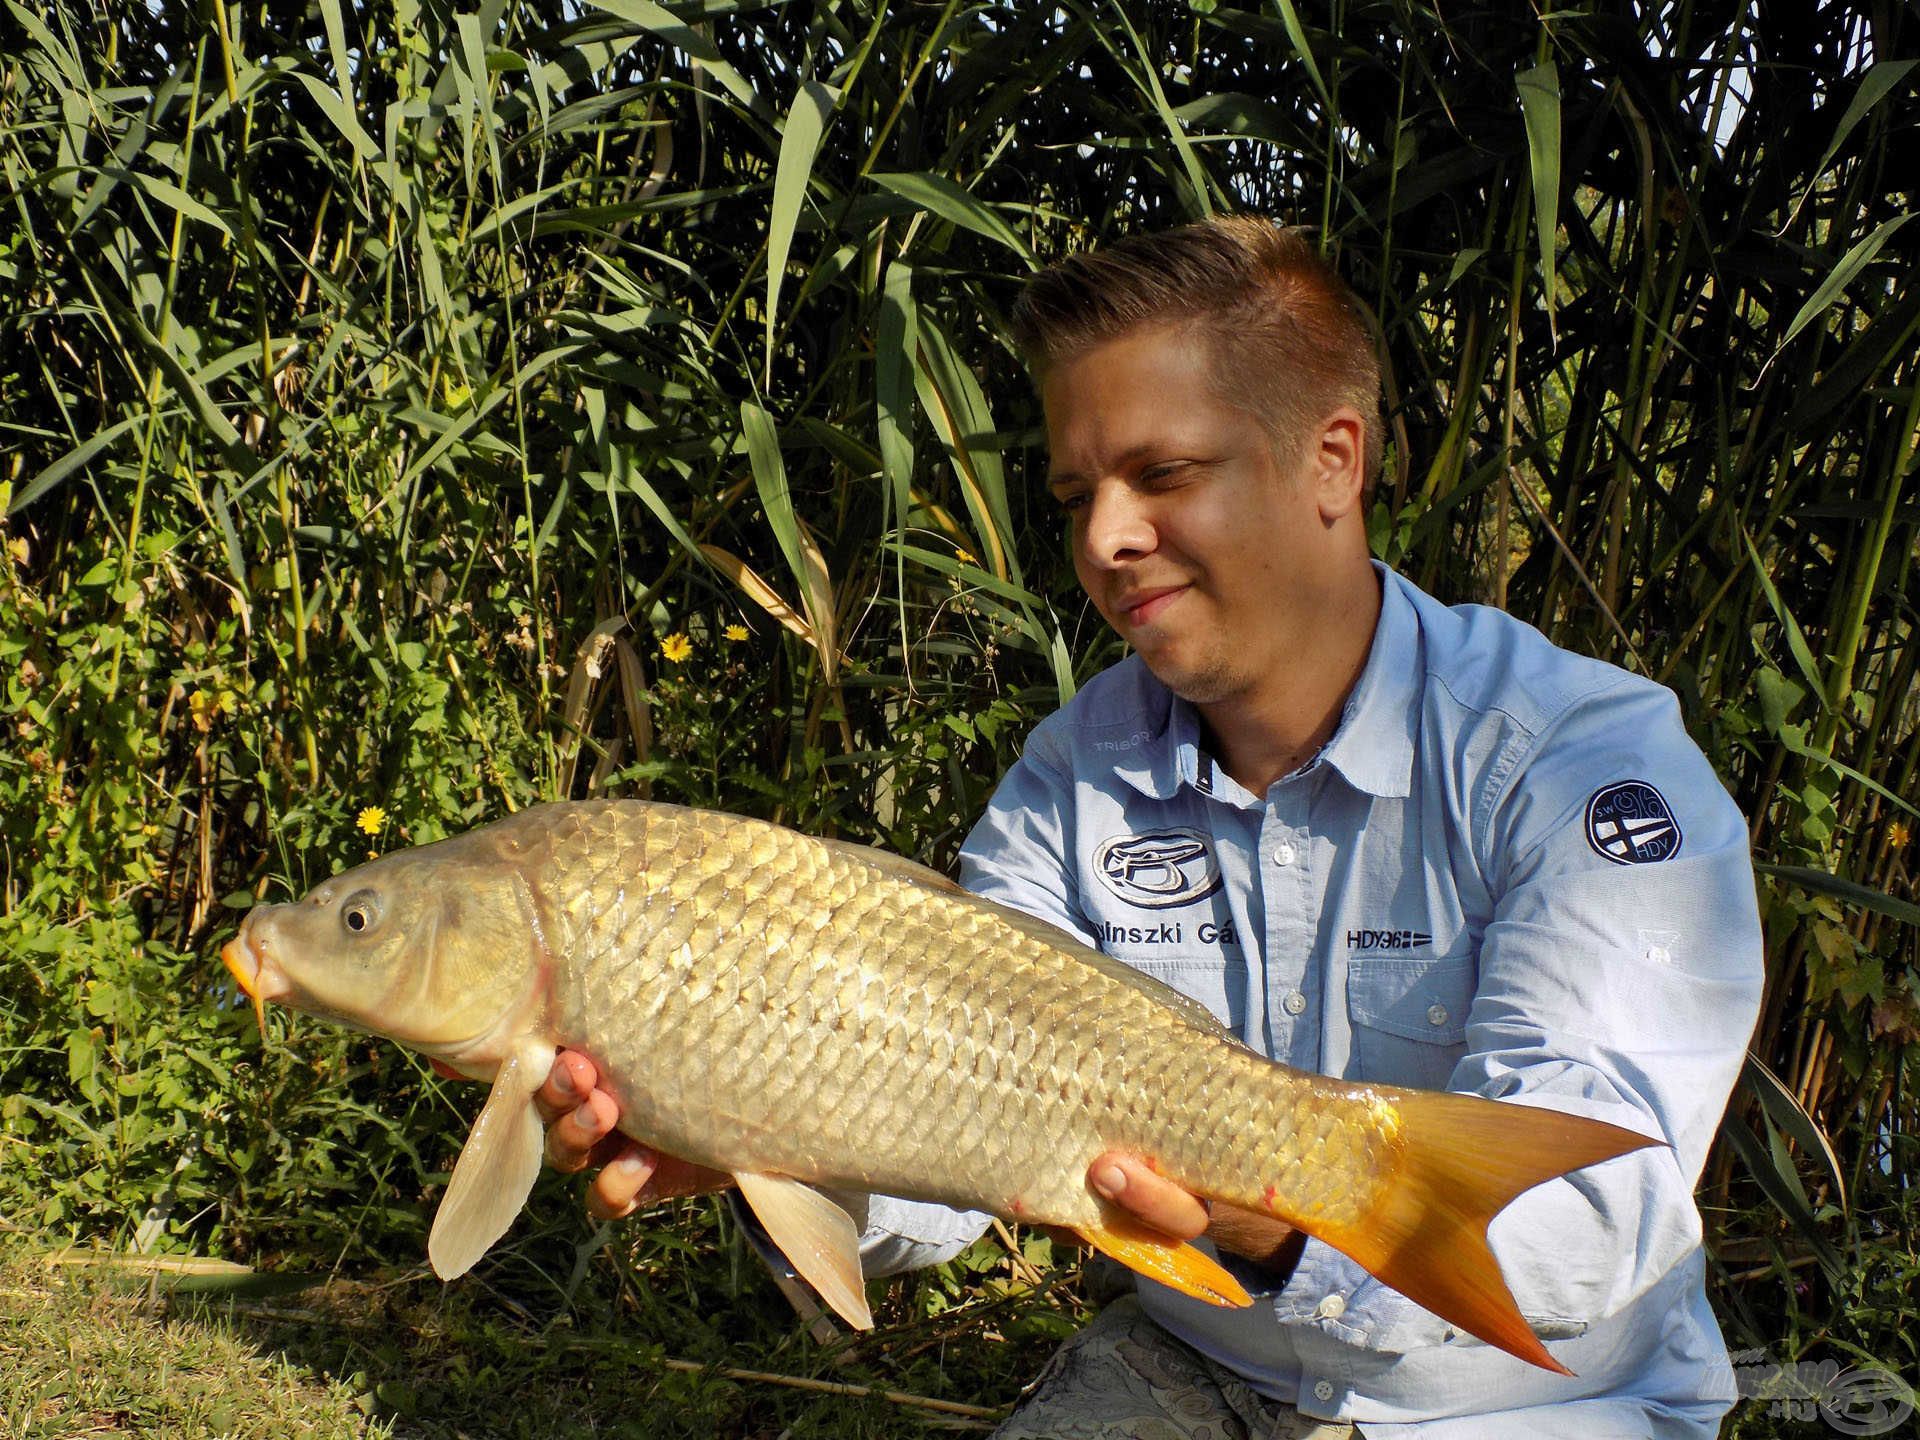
1260,737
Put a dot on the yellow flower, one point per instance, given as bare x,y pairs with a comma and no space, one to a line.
736,632
966,557
676,647
17,548
1899,834
371,819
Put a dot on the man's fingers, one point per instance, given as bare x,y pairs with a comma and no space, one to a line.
615,1191
569,1082
1127,1181
571,1138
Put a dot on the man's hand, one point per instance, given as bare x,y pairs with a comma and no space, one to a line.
1129,1182
580,1118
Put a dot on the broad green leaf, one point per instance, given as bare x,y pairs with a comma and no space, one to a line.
1792,738
336,29
341,114
972,575
174,198
1786,1112
770,480
1540,106
74,460
1882,77
1852,891
954,402
1775,1174
1851,264
942,197
799,142
1779,697
660,22
1290,18
895,345
1147,76
802,555
1796,638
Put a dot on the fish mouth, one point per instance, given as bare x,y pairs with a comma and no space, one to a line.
257,977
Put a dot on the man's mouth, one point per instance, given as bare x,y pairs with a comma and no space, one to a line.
1146,606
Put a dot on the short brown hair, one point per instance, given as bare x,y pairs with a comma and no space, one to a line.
1288,339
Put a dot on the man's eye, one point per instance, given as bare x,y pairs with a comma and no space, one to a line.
1156,474
1073,501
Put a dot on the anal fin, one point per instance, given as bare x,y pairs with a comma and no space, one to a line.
817,1235
1158,1256
497,1165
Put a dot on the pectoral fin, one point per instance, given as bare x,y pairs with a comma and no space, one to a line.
817,1235
496,1168
1160,1257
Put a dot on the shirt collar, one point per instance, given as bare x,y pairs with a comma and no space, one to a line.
1373,747
1171,756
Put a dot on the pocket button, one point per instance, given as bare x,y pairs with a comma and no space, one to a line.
1436,1015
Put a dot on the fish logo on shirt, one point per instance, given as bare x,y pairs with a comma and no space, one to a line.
1630,824
1159,870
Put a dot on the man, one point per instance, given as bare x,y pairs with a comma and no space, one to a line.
1380,838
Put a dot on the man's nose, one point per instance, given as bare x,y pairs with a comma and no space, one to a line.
1118,527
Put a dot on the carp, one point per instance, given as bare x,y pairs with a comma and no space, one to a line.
814,1016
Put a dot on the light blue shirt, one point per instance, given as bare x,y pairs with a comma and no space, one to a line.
1510,872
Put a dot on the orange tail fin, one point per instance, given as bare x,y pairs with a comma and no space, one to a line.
1160,1257
1465,1158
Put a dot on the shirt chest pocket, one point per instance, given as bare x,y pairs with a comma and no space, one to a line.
1409,1018
1216,981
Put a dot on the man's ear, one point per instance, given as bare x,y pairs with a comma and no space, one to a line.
1337,468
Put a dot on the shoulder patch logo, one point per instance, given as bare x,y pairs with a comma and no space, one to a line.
1631,824
1159,870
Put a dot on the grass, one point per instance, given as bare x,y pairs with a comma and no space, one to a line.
97,1346
90,1346
82,1355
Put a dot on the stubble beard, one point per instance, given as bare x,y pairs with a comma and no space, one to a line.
1208,680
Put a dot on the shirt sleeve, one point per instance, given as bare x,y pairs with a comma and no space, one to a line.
1015,854
1619,978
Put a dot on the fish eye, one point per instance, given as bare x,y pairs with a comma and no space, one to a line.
361,912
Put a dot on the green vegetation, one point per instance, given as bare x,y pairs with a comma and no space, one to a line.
440,411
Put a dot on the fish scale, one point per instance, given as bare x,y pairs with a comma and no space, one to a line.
802,1013
1007,1042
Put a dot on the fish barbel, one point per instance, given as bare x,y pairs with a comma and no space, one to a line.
807,1013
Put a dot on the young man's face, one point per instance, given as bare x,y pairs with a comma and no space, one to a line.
1212,556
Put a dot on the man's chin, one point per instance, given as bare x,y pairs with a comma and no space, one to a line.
1198,682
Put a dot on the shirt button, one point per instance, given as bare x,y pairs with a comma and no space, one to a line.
1294,1003
1332,1308
1282,853
1436,1015
1323,1390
